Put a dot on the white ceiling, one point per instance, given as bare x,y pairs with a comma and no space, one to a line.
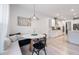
62,11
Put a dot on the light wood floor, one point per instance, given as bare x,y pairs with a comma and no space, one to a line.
57,46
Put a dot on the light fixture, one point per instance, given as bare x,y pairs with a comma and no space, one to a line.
72,10
34,17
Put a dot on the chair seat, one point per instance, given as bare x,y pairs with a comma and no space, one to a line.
38,45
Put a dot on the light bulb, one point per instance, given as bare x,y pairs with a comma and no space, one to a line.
34,17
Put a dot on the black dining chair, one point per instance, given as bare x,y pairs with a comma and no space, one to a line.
40,45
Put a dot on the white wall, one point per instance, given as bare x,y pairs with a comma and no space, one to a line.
40,26
4,17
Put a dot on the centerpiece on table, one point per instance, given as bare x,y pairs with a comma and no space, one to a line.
34,33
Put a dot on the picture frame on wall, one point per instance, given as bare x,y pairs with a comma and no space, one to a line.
23,21
76,26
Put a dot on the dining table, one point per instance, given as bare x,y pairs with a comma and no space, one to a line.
32,37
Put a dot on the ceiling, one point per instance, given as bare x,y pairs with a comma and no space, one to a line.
62,11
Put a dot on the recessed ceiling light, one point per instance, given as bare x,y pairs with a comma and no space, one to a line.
72,10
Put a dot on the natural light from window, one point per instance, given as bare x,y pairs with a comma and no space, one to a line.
53,22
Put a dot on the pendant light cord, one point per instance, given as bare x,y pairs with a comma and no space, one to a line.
34,15
34,9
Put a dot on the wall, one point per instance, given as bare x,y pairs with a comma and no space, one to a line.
40,26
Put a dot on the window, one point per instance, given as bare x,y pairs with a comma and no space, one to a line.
53,23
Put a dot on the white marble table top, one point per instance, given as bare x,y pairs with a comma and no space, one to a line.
29,36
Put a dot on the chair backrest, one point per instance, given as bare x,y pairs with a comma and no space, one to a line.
14,34
44,39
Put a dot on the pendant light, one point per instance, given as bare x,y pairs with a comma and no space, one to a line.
34,15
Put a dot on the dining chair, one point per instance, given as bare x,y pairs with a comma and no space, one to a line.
14,37
40,45
21,42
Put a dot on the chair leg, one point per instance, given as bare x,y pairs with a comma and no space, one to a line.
46,45
45,51
38,52
33,51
